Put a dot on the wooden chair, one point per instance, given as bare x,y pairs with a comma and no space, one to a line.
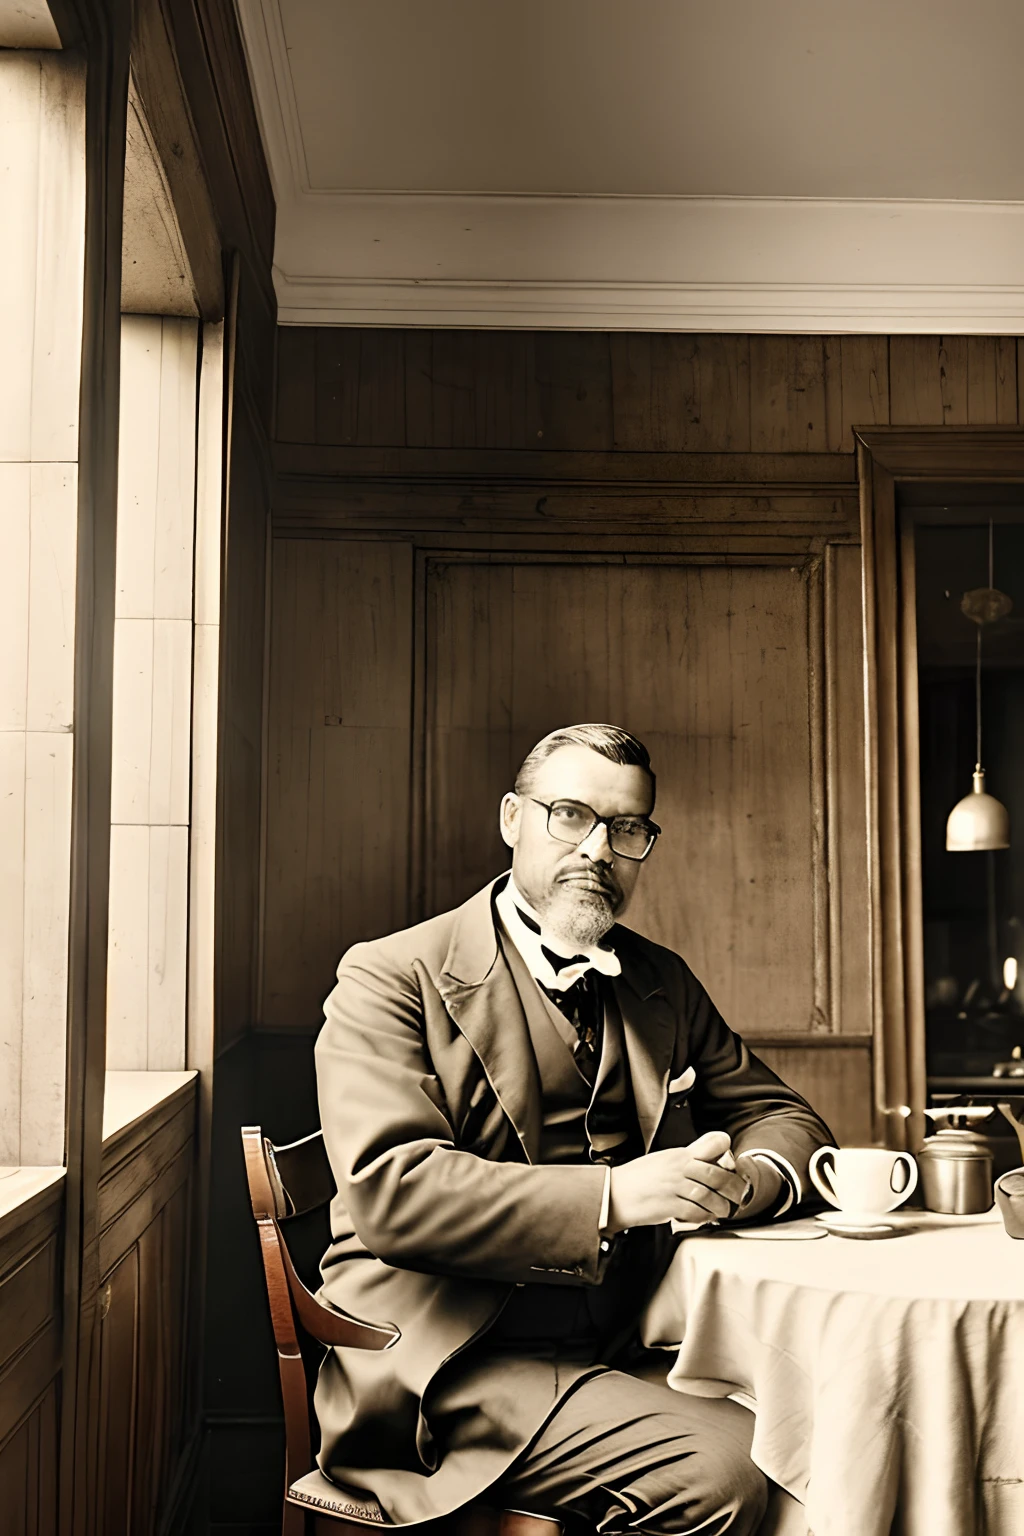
293,1181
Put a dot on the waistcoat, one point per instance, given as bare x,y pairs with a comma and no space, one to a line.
577,1125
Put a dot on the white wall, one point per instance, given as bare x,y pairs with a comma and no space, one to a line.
152,723
42,195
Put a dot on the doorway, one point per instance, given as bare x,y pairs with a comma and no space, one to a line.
972,903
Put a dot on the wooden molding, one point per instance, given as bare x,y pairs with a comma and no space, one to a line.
320,489
986,453
888,457
798,473
745,306
162,97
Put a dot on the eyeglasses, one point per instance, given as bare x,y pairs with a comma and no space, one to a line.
631,837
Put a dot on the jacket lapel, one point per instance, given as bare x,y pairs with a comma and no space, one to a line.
479,992
477,988
649,1029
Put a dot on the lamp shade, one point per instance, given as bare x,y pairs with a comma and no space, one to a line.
977,822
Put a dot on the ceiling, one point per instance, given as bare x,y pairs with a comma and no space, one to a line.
792,165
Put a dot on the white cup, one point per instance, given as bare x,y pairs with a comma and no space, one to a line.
862,1181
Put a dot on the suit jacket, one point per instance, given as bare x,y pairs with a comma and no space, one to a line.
430,1106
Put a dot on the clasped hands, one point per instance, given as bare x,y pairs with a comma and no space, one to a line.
693,1184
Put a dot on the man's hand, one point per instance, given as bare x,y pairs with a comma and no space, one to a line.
678,1184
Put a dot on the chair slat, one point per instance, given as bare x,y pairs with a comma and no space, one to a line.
305,1174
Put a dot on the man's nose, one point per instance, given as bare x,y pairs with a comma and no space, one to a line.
595,846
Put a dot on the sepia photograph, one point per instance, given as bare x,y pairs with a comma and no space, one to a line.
511,768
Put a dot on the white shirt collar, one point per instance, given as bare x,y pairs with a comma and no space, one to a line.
512,907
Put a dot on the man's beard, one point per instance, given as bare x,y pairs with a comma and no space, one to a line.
580,917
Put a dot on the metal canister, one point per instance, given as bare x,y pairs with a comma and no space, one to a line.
956,1173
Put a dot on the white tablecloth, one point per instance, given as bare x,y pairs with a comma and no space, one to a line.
886,1377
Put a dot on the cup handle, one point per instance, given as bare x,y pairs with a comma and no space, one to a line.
911,1185
821,1178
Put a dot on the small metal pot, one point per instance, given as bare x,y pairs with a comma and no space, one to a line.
956,1173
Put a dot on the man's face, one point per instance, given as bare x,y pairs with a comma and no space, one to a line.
578,891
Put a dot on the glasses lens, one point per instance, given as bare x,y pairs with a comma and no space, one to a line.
629,837
569,821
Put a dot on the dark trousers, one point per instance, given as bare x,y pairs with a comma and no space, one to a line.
624,1455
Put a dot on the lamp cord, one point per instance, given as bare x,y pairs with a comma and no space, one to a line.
977,702
977,670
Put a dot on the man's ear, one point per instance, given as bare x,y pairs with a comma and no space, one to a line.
508,818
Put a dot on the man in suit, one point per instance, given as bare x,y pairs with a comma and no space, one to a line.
521,1099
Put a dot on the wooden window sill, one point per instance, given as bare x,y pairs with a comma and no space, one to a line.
24,1192
134,1102
132,1099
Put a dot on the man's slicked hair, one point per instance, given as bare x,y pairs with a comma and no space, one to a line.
610,741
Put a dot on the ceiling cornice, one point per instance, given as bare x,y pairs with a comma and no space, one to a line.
800,308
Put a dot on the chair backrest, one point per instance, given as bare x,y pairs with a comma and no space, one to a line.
286,1181
300,1175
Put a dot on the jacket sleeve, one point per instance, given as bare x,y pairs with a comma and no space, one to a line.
415,1199
738,1093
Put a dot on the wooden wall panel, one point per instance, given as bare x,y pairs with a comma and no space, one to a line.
360,390
145,1326
794,395
339,760
687,394
864,382
574,394
118,1386
636,392
991,380
471,389
30,1325
28,1471
928,380
708,664
834,1079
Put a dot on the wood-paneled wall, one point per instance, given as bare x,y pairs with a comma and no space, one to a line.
144,1325
30,1330
645,393
480,534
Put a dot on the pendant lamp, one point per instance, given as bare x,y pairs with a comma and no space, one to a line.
979,821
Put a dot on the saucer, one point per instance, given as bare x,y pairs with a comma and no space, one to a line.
841,1225
793,1232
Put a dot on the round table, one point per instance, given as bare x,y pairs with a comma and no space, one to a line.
886,1377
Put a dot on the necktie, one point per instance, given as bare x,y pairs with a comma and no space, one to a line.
581,1005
